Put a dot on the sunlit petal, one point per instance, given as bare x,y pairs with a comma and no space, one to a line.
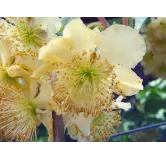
83,38
58,49
123,45
129,82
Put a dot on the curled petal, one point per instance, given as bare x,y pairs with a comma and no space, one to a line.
27,62
41,70
84,124
84,39
16,71
123,45
59,48
67,119
122,105
128,82
44,98
31,88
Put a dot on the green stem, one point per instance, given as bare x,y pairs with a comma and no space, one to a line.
131,22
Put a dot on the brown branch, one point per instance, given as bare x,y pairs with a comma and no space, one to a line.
58,128
104,22
125,21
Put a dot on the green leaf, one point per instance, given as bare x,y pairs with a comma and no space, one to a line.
154,103
42,135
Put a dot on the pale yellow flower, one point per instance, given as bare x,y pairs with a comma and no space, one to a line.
23,102
23,110
77,38
29,34
93,129
92,66
12,68
89,128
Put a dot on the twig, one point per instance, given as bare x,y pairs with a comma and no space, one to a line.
125,21
58,128
138,129
104,22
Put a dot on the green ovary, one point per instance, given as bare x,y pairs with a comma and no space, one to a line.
87,79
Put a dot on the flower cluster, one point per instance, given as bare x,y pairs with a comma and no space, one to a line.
154,61
82,75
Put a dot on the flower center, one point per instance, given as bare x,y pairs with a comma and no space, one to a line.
5,79
86,79
17,115
27,38
85,84
30,36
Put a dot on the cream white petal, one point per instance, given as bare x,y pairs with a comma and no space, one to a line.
41,70
58,49
83,123
16,71
44,98
123,45
31,88
83,38
129,82
5,51
119,99
123,105
49,24
27,62
67,119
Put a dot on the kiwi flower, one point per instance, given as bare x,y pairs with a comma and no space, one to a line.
98,128
21,111
91,67
15,68
23,104
29,34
